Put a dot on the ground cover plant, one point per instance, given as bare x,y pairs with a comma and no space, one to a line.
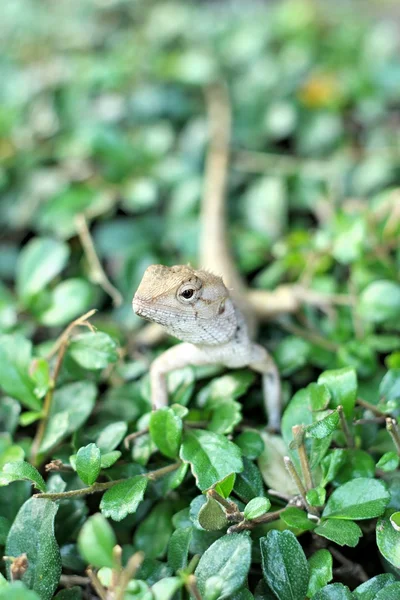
103,134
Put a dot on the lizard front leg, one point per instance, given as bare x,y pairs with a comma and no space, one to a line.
262,362
176,357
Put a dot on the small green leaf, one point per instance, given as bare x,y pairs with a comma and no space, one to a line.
93,350
228,559
388,541
323,427
340,531
395,520
88,463
225,487
32,533
369,589
225,416
256,508
38,263
178,548
316,496
342,385
68,300
166,588
297,519
109,458
212,516
319,396
21,470
390,592
40,373
96,541
15,358
331,464
388,462
334,591
123,498
111,436
154,532
250,443
361,498
17,591
284,565
166,431
320,565
211,456
249,483
380,301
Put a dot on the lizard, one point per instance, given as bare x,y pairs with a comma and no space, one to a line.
216,326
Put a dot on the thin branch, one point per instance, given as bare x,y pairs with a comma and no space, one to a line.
314,338
98,588
230,507
191,586
251,523
133,436
299,484
345,427
394,432
97,272
371,407
298,435
128,573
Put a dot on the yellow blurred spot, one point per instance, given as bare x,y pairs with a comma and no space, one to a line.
319,91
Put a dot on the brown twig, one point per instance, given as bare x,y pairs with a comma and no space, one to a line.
230,507
191,586
96,584
371,407
97,273
345,427
298,435
251,523
133,436
299,484
394,432
128,573
60,348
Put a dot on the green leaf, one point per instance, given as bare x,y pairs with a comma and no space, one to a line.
395,520
331,464
390,592
250,443
166,431
226,414
361,498
334,591
109,458
369,589
68,300
358,463
21,470
316,496
211,457
40,373
166,588
123,498
320,565
38,263
388,541
291,354
284,565
212,516
32,533
159,521
178,548
111,436
71,406
249,483
93,350
228,559
96,541
17,591
88,463
323,427
15,358
342,385
226,388
225,487
4,529
380,301
319,396
297,519
340,531
256,508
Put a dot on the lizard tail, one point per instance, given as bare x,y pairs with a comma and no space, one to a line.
214,250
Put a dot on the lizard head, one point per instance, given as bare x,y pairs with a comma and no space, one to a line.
192,305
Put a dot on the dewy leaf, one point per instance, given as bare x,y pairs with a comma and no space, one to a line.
93,350
342,385
228,558
211,456
72,405
15,358
284,565
369,589
88,463
388,541
32,533
334,591
21,470
123,498
361,498
166,431
96,541
320,565
340,531
38,263
380,301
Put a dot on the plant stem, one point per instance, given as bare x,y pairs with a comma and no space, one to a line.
101,487
298,434
251,523
394,432
191,586
133,436
345,427
128,573
371,407
299,484
230,507
94,580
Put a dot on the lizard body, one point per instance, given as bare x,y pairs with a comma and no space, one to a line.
196,307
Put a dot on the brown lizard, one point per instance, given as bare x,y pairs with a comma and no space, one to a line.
195,306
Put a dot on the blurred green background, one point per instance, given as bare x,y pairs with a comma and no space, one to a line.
103,112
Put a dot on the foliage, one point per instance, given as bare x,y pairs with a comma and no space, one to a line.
103,133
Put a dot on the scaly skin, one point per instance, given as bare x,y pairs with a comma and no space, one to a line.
197,308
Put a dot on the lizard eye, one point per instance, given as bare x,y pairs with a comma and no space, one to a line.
186,293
